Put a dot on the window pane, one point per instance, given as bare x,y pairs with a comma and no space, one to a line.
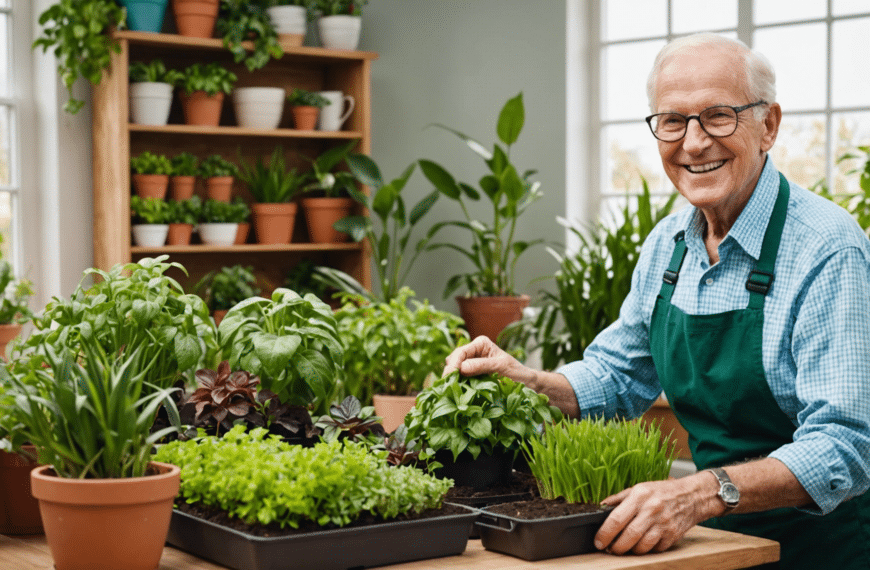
5,142
647,18
624,69
850,130
632,152
799,152
851,75
6,227
4,3
716,15
798,55
5,64
843,7
772,11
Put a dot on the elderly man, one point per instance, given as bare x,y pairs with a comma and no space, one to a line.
751,311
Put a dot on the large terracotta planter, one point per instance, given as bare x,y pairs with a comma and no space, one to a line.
195,18
321,213
8,332
106,524
488,316
392,409
151,185
305,117
182,187
273,223
219,188
179,234
201,109
19,511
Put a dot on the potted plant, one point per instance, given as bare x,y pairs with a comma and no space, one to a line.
321,490
289,18
301,279
150,222
195,18
203,88
492,300
151,174
305,106
219,221
391,349
182,178
259,107
77,33
328,197
219,174
227,287
151,86
242,20
14,309
272,186
340,22
577,464
182,216
105,503
475,427
145,15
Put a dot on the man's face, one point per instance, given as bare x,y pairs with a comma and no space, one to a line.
716,175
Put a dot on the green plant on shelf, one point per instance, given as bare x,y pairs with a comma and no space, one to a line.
217,212
216,165
14,296
302,98
210,78
228,286
185,164
150,163
154,71
327,182
339,7
243,20
149,210
184,211
271,182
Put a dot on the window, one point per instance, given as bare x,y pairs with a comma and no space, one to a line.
10,167
817,48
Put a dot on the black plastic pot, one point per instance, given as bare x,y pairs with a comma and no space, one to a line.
339,549
539,539
480,473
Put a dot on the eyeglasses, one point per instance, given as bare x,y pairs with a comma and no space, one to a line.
718,121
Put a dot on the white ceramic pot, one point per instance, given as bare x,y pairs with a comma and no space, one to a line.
150,102
289,23
259,107
218,234
150,235
340,32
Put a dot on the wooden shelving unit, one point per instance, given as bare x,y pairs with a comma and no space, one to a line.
115,139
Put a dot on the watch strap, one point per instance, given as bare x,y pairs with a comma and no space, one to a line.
725,482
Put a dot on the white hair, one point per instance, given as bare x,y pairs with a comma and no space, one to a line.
760,77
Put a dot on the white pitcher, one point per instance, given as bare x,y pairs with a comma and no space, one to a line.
334,115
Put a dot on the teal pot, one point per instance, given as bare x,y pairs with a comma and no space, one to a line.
145,15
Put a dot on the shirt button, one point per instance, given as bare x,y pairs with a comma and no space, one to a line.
709,281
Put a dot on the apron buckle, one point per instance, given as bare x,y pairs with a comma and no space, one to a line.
759,282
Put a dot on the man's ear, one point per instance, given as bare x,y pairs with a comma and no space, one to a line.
771,126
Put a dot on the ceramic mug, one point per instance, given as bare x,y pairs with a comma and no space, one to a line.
332,116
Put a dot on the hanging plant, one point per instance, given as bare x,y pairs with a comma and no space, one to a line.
241,20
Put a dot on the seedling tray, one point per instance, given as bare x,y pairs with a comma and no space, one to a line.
539,539
339,549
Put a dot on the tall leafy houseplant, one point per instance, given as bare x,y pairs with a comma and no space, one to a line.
241,20
77,30
271,182
327,197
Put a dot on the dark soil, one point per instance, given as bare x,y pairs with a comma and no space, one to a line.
367,519
539,508
520,486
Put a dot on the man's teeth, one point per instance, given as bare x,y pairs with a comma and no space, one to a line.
698,168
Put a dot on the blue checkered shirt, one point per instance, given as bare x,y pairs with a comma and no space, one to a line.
816,344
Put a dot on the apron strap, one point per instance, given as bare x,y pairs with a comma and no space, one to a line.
672,273
761,278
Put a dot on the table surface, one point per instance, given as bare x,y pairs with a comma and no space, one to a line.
700,549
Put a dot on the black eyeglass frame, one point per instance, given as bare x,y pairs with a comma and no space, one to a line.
737,111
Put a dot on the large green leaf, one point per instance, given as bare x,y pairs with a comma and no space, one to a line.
440,178
365,170
422,207
355,226
275,352
316,371
511,119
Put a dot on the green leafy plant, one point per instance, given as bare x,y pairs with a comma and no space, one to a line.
216,165
325,182
154,71
150,163
339,7
586,461
149,210
400,450
260,480
290,342
486,414
391,348
856,203
211,78
217,212
77,30
494,250
301,279
185,164
591,285
90,417
241,20
302,98
184,211
272,182
14,296
228,286
349,420
389,242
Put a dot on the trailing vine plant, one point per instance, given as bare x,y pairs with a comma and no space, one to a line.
241,20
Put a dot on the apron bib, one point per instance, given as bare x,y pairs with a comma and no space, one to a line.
711,370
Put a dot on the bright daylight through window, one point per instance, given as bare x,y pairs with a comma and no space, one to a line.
9,174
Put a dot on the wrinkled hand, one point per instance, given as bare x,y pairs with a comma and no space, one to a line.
652,517
482,356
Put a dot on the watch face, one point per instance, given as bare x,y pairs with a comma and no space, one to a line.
729,494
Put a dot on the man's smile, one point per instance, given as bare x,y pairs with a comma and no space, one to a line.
700,168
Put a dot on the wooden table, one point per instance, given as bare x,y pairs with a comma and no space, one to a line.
700,549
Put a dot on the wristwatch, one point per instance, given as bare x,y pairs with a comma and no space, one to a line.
728,491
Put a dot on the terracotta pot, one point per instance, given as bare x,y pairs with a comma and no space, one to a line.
8,332
488,316
305,117
218,315
106,524
321,213
151,185
195,18
182,187
219,188
202,109
393,409
242,233
19,511
273,223
179,234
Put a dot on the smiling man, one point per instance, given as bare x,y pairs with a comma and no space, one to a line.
751,311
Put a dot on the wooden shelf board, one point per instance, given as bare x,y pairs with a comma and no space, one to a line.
241,131
256,248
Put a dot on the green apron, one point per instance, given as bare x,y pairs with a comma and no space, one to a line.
710,368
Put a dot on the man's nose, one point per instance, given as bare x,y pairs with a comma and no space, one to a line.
696,138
